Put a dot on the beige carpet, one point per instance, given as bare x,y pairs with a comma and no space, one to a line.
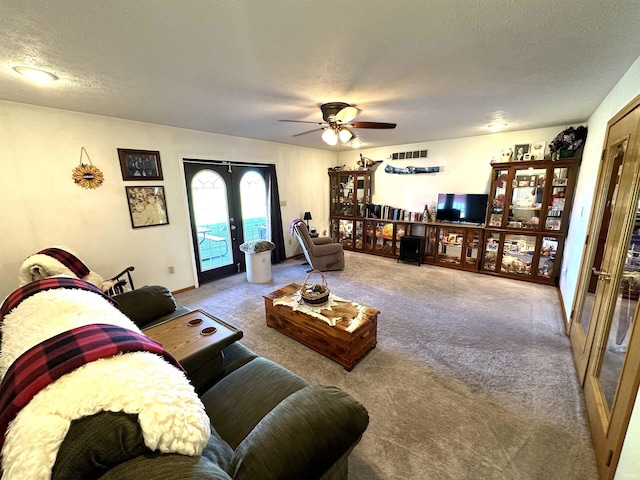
472,376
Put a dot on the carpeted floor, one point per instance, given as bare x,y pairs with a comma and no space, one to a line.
472,376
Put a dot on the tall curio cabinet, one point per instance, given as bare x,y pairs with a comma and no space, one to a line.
527,218
350,194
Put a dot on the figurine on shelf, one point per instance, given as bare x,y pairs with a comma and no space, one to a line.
506,154
364,162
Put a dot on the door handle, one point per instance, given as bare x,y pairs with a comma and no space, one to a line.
602,275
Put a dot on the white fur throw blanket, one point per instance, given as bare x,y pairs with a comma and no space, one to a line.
44,264
170,414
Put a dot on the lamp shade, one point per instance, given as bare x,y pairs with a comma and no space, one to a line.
307,216
330,137
345,134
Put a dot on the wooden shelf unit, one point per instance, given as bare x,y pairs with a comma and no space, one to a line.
528,218
526,224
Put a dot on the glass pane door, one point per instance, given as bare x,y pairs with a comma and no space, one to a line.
211,215
472,246
223,198
253,194
450,246
547,259
517,254
498,197
526,199
555,209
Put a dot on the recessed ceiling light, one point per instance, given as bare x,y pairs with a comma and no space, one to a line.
36,74
496,126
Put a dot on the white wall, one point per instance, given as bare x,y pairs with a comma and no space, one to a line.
40,206
464,166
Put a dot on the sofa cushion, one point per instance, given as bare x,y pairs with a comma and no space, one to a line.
166,467
98,443
145,305
240,400
302,437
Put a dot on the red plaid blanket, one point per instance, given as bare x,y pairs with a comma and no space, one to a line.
51,359
69,260
22,293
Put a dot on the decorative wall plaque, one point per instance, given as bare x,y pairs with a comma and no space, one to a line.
87,175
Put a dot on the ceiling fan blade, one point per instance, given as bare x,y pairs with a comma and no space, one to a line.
378,125
346,114
300,121
310,131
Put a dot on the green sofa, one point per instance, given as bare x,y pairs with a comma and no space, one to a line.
267,423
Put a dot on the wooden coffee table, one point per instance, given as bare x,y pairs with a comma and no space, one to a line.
346,343
190,340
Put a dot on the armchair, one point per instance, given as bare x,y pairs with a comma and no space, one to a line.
319,252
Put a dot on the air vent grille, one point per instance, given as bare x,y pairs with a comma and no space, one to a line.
406,155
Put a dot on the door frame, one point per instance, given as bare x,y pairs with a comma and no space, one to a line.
273,211
234,218
609,427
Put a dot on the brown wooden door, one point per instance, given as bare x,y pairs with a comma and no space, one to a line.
603,334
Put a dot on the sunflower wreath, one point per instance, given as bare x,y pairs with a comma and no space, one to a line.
87,175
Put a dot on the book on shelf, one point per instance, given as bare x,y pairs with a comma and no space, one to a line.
388,212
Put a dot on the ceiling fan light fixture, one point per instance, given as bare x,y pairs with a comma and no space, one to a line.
330,137
345,134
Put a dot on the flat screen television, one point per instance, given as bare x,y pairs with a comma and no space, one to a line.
462,207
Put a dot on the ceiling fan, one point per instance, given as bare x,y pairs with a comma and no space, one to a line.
338,123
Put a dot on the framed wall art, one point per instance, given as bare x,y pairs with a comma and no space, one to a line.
537,150
140,164
519,152
147,206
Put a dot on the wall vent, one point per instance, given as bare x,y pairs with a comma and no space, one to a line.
406,155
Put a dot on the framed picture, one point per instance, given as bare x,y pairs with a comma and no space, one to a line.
147,206
140,164
519,152
537,150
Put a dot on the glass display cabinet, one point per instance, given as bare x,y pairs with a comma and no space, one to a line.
347,232
382,237
349,195
458,247
473,246
527,218
450,240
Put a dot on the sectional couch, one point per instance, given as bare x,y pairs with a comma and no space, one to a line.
267,423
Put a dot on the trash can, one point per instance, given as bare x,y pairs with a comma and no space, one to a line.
257,255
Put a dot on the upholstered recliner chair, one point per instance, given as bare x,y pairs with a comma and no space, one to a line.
320,252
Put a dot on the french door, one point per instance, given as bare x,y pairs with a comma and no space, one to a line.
603,329
227,206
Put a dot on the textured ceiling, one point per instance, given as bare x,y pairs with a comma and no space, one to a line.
439,68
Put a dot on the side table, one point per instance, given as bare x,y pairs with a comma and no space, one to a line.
196,339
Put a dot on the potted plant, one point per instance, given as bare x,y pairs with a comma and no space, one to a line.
567,142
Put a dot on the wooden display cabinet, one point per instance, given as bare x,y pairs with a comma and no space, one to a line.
458,246
447,245
527,218
350,193
347,232
382,237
